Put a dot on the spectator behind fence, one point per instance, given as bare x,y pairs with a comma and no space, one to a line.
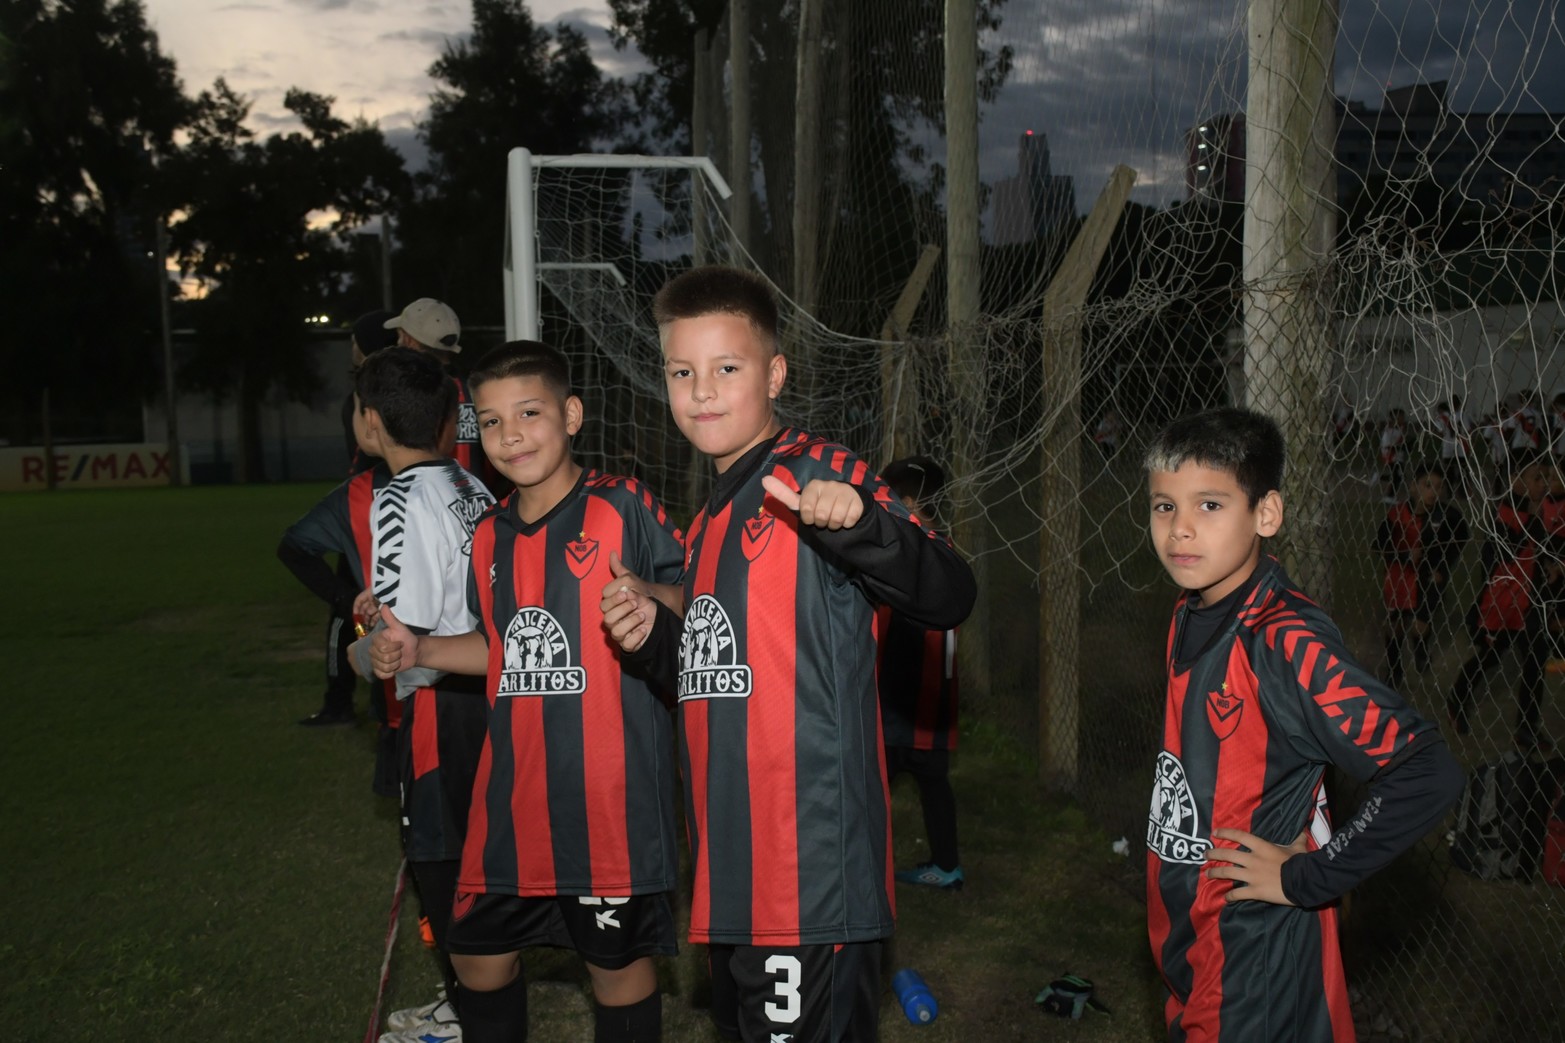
1418,540
1507,612
1243,869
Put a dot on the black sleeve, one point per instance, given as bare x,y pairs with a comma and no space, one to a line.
657,660
1406,800
318,578
902,565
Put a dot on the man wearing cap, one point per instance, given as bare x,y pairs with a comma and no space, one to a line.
430,325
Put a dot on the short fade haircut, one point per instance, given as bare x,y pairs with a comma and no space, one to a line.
524,358
412,394
719,290
1246,444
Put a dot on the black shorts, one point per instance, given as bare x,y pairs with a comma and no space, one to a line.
804,993
611,933
439,742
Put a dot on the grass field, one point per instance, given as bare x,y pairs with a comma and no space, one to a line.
190,863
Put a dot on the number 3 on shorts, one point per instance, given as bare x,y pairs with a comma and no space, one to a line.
787,988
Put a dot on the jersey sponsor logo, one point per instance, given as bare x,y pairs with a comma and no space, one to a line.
468,508
1174,826
757,534
538,657
707,654
1223,710
580,555
467,424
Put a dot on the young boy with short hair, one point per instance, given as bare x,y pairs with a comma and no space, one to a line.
1243,869
571,837
1418,540
1507,611
421,526
787,807
918,691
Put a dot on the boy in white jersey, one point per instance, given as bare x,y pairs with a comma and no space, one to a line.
421,528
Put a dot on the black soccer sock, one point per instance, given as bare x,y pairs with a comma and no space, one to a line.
1394,660
454,992
499,1016
641,1022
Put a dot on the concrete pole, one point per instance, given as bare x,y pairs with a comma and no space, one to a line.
739,121
1289,231
967,379
807,158
170,399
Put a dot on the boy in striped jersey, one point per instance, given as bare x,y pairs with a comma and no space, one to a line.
421,527
918,690
570,839
786,799
1243,869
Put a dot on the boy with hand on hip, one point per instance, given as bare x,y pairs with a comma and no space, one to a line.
787,805
571,837
1243,868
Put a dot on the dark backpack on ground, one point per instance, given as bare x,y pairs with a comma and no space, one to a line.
1501,821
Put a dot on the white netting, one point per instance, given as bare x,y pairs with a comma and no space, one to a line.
1379,271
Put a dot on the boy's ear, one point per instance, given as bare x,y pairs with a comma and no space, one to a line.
1268,514
575,413
776,374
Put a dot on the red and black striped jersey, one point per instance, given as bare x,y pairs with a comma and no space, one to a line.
787,805
917,679
339,521
1250,724
575,786
1510,560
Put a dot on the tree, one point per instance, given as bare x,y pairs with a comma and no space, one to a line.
88,106
265,229
511,84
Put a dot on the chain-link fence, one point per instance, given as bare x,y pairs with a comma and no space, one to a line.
1350,222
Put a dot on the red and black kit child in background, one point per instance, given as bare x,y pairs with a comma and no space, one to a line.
917,679
1507,610
1418,540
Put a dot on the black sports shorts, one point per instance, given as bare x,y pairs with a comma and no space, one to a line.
611,933
804,993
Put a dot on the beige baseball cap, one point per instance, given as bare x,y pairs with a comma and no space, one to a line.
430,322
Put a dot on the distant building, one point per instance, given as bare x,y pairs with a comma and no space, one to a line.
1496,159
1035,203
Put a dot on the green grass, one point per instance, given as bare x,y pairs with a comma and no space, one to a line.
186,859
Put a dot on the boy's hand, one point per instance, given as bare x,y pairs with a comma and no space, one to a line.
822,503
1259,869
628,608
393,648
366,608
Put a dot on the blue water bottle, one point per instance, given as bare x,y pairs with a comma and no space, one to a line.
918,1003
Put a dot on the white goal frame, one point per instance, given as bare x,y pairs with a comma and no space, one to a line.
522,266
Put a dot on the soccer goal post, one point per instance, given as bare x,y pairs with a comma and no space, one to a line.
523,265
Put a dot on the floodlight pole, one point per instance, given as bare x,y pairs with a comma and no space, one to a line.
521,223
171,403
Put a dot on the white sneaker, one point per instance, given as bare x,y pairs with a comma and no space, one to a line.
439,1014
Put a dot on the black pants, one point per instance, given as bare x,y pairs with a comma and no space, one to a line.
931,769
1488,647
340,678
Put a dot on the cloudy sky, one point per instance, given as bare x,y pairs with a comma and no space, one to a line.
1107,80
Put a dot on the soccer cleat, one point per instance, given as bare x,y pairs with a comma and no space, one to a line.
437,1015
930,875
426,934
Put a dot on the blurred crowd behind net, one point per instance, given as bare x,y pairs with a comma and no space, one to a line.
1352,225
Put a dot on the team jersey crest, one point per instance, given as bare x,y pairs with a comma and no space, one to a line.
1174,826
538,657
757,534
1223,710
707,654
580,555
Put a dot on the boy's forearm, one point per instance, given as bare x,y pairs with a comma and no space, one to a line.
317,576
454,654
1404,804
900,564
